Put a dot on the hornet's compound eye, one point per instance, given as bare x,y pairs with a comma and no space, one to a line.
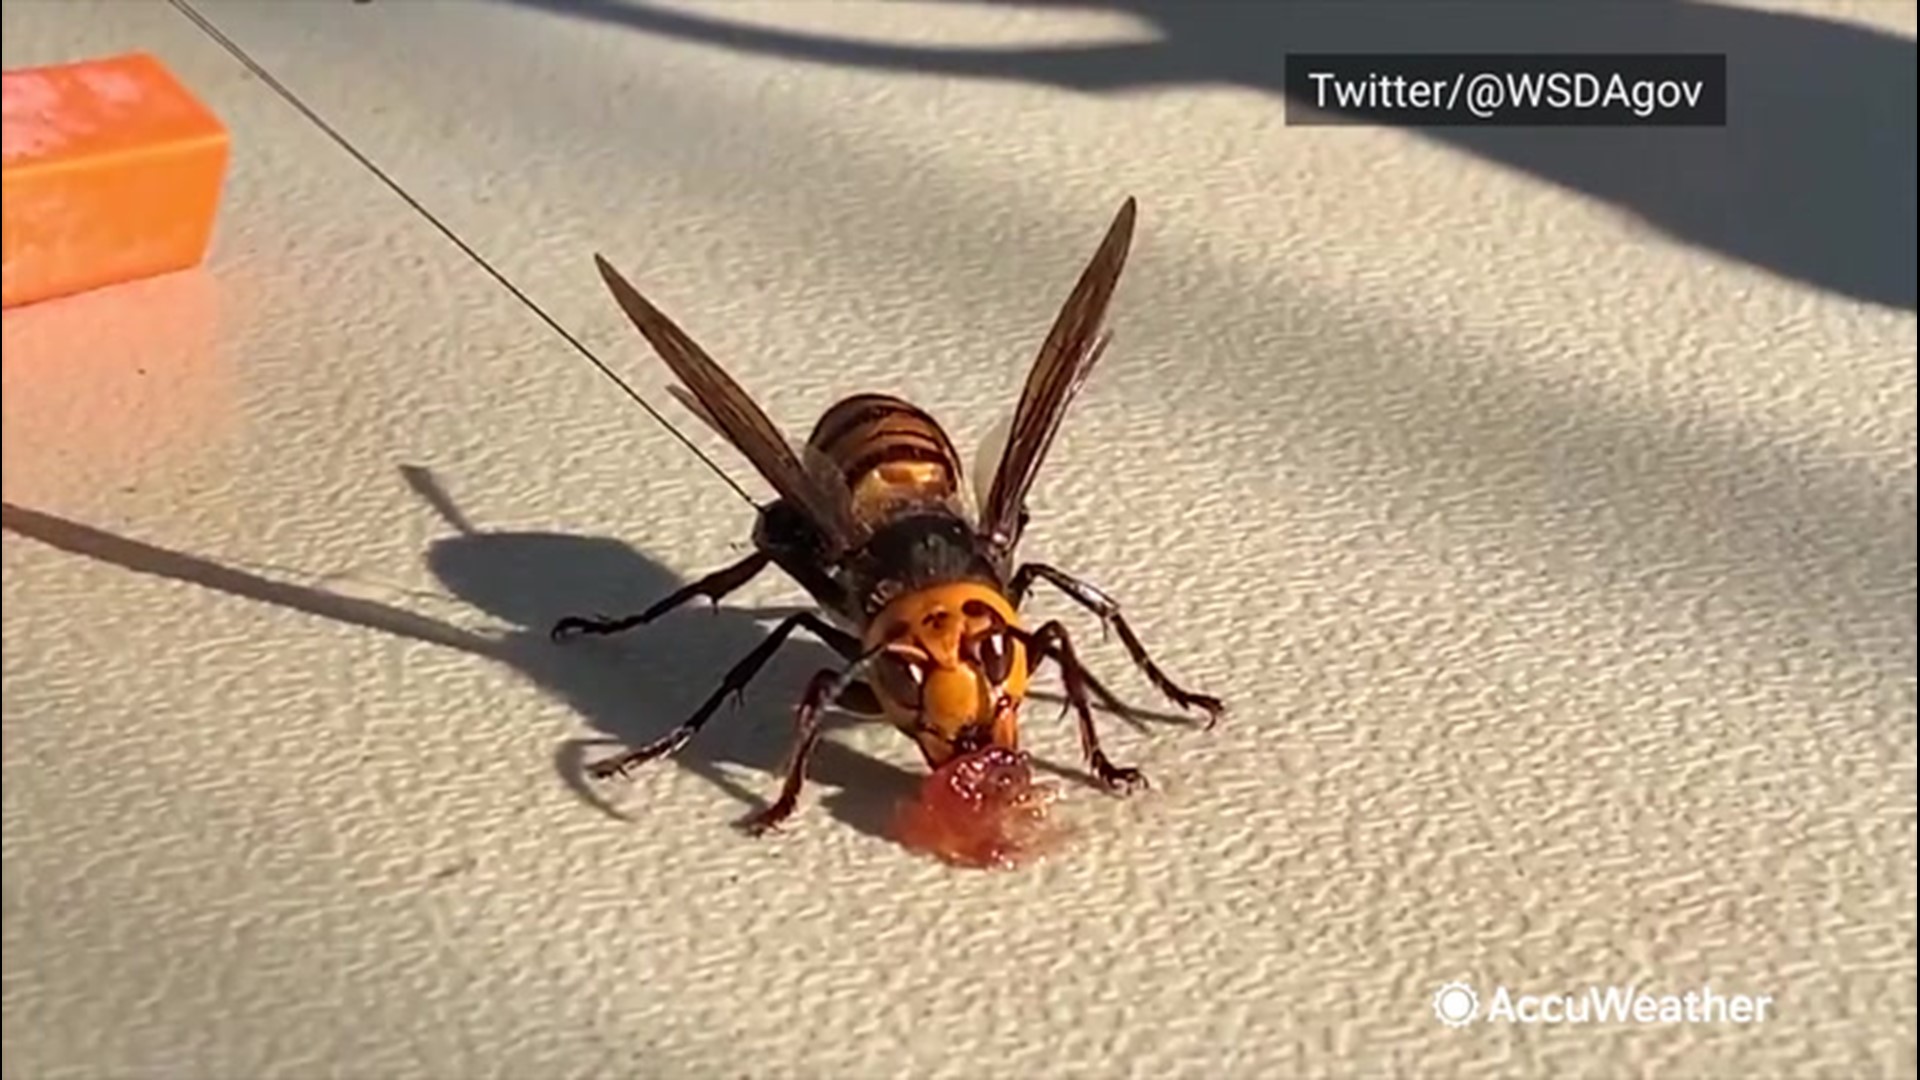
899,678
996,656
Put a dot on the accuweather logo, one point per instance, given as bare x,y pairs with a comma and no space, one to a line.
1457,1005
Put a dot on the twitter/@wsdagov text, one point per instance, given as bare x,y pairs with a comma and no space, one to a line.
1430,90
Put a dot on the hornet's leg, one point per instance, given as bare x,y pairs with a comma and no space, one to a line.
1050,641
826,686
1110,700
1109,612
714,587
735,682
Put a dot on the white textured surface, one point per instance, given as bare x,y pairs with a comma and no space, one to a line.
1560,570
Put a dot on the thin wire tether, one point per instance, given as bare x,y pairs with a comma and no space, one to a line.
206,26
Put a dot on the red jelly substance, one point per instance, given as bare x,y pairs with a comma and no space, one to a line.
983,810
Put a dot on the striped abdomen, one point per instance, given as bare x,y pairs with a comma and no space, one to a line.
892,455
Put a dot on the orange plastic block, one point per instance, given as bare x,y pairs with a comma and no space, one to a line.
113,172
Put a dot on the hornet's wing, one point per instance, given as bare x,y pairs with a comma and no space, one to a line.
1068,355
724,405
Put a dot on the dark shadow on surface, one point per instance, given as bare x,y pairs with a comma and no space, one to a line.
629,689
1813,178
624,690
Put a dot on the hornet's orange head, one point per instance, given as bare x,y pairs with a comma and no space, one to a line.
951,668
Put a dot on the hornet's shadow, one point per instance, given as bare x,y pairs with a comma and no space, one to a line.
634,687
630,689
